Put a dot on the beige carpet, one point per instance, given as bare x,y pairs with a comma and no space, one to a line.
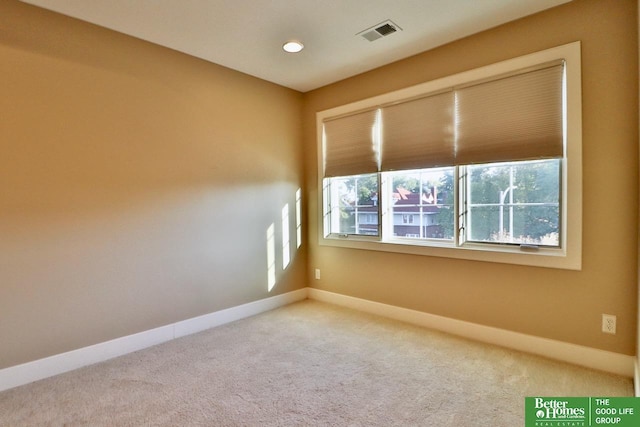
307,364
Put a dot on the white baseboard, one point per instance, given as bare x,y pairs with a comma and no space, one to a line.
25,373
579,355
602,360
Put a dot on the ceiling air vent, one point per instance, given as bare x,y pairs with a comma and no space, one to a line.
380,30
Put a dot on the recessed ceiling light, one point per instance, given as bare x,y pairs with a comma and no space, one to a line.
292,46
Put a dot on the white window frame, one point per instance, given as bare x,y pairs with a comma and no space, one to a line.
569,256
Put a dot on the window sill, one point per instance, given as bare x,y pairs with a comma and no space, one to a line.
506,254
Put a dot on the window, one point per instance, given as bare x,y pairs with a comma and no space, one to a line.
421,202
514,203
481,165
353,207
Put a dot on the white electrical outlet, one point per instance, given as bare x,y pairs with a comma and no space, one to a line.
317,274
608,323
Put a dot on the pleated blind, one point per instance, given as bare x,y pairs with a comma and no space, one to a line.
418,133
513,118
351,145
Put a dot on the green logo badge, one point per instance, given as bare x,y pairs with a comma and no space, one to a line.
582,411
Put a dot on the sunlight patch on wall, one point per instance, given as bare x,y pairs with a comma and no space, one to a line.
271,257
280,248
298,218
286,252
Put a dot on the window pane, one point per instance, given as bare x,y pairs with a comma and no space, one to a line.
353,205
514,202
422,203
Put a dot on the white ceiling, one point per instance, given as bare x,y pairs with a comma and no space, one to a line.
247,35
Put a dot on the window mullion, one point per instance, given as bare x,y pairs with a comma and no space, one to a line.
421,232
461,206
356,205
385,221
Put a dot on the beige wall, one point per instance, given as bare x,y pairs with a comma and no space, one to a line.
557,304
136,184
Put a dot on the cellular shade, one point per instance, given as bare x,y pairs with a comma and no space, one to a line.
351,145
517,117
418,133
